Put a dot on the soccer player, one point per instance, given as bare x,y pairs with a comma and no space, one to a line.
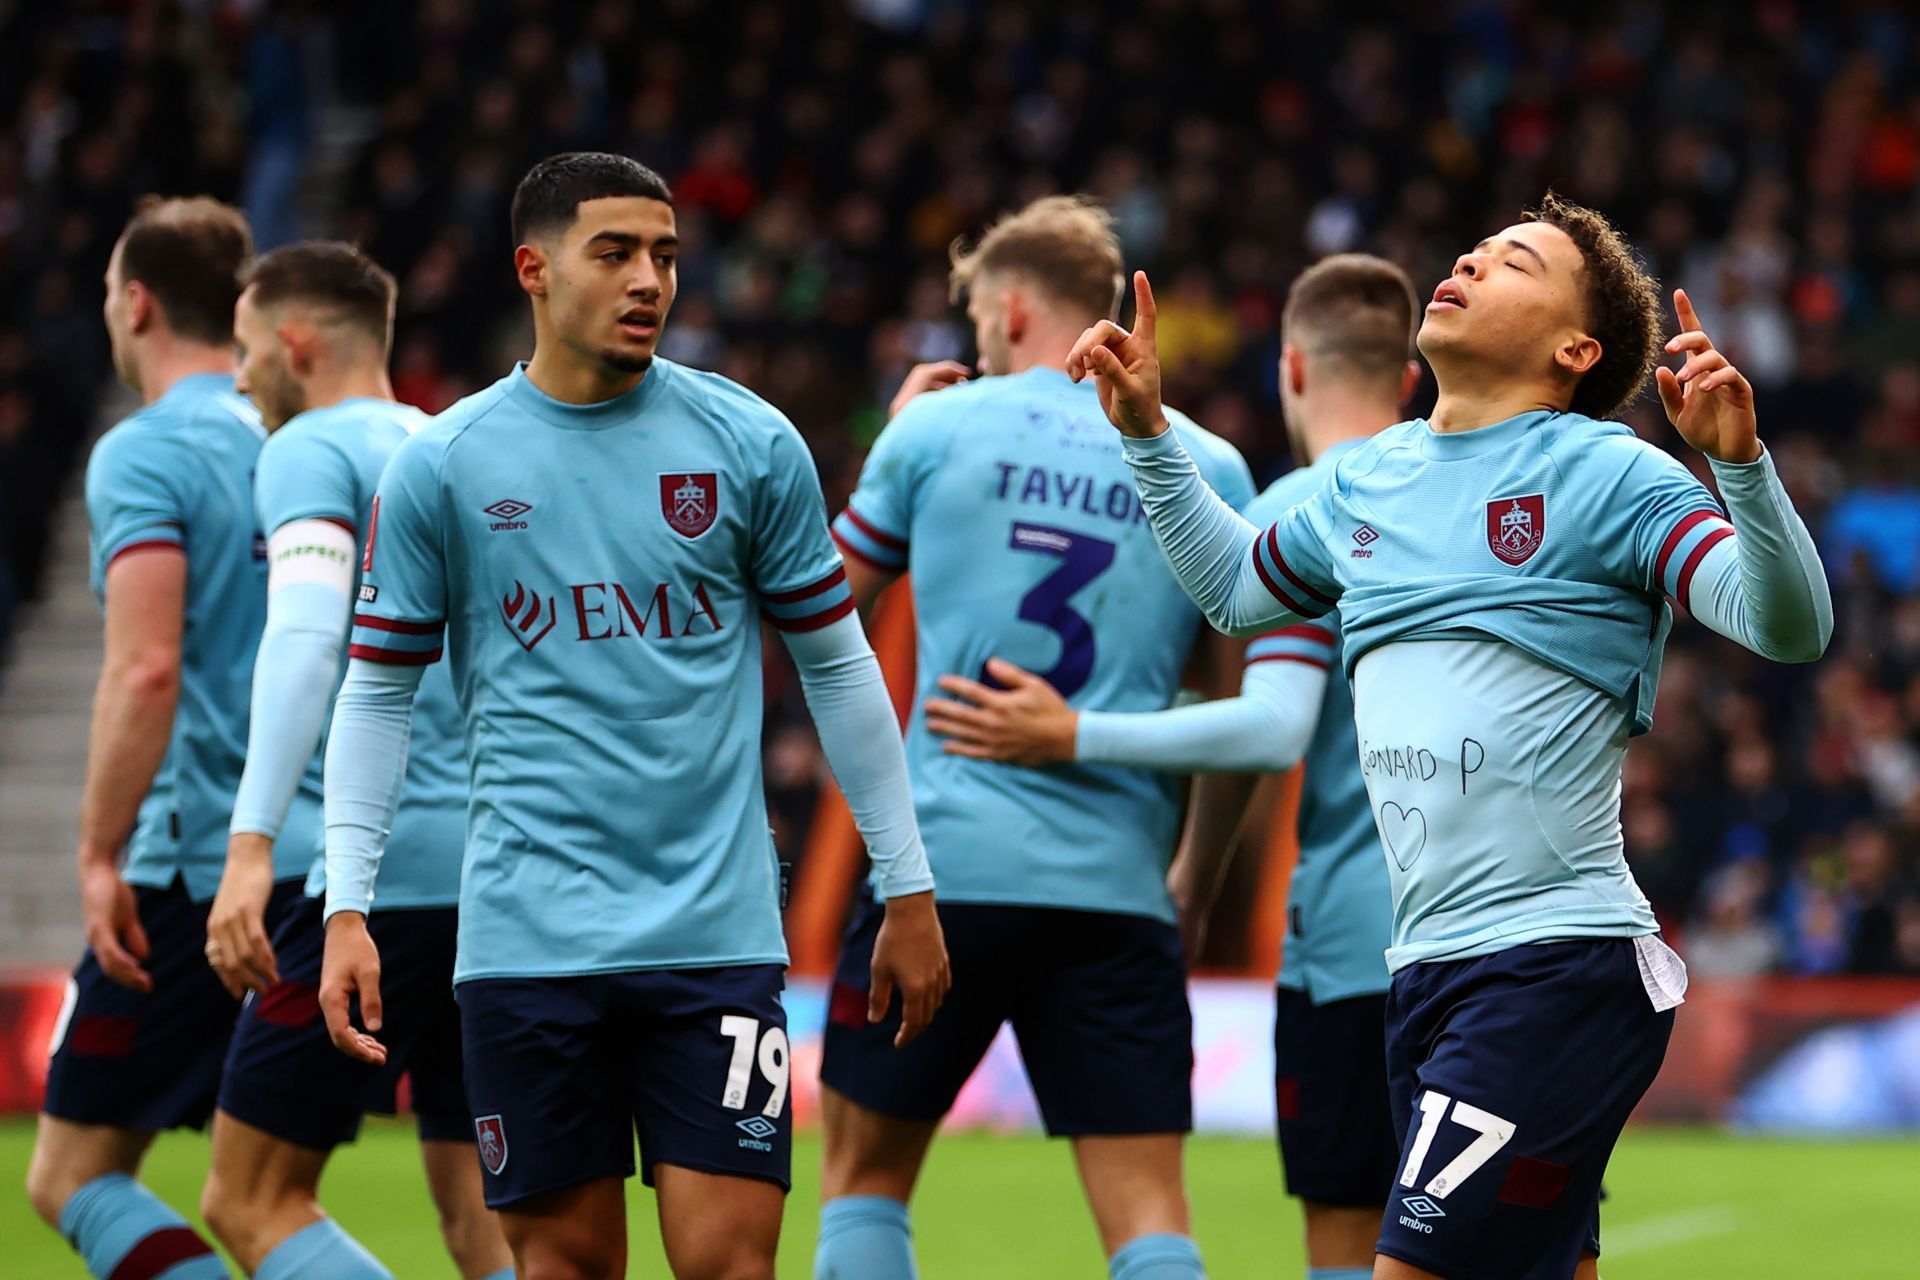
312,333
599,535
1009,501
1345,370
181,570
1501,570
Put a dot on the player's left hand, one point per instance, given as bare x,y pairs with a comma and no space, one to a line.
911,954
1708,401
1027,722
237,943
1125,366
350,967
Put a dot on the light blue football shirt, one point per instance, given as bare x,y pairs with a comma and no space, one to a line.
1011,504
180,472
600,573
325,464
1339,904
1502,594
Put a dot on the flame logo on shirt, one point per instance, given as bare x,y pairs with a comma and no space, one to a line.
525,610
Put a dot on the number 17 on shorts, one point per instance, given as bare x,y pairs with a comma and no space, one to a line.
1490,1134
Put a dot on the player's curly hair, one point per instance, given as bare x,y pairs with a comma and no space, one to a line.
1623,307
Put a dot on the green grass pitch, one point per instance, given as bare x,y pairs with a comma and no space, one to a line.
1685,1203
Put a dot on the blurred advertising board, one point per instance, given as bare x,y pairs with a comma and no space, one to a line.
1775,1055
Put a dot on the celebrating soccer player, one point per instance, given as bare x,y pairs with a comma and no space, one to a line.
181,568
599,535
1345,369
1009,501
1501,572
312,333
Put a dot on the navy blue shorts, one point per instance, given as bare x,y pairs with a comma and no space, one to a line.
1512,1075
1098,1003
561,1073
284,1074
1338,1142
149,1062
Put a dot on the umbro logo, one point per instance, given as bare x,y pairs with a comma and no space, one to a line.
758,1130
1364,537
1416,1212
507,513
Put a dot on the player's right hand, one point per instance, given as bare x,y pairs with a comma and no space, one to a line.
923,378
1125,367
350,967
237,944
113,924
911,954
1191,906
1025,721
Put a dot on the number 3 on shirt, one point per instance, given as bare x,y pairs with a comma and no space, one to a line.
774,1060
1082,559
1494,1133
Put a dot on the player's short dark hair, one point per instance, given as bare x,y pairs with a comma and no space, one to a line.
1355,311
331,275
551,194
1064,245
190,254
1623,307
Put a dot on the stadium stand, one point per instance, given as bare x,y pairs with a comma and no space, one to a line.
1766,157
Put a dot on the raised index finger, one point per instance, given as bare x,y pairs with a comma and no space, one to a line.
1143,310
1683,309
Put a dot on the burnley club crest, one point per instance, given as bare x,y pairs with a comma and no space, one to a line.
491,1134
1515,527
690,501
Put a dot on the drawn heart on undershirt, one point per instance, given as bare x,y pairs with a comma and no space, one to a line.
1404,832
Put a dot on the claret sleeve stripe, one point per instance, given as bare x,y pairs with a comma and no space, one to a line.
810,607
1272,568
862,537
1683,549
395,657
1304,642
397,625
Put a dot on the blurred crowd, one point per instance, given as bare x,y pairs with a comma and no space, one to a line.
1764,154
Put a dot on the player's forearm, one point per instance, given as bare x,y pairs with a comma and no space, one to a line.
861,738
1205,541
366,764
1764,587
293,678
1263,730
133,710
1215,816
